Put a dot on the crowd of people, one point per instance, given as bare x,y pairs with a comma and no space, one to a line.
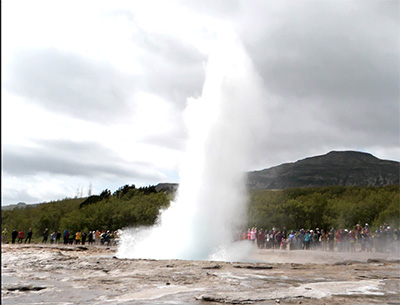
359,238
68,237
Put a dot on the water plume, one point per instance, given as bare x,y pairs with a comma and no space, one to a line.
210,205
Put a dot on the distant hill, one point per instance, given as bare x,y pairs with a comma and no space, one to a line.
167,187
346,168
19,205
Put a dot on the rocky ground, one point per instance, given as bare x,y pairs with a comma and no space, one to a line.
58,274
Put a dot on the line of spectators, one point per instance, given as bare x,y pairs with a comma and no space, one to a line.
343,240
17,236
97,237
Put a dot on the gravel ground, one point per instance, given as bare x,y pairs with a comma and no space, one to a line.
58,274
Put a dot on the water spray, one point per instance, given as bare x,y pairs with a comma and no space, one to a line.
211,199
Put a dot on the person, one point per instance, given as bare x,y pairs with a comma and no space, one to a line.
116,237
78,237
346,240
324,240
58,237
90,237
97,237
283,244
314,240
331,239
84,235
103,233
268,239
29,236
20,236
14,235
45,235
366,228
307,240
107,236
111,242
4,236
52,238
277,240
248,234
359,233
66,236
284,233
244,235
300,239
339,236
352,240
260,239
363,241
253,236
292,240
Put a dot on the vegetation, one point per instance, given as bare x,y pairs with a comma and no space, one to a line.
128,206
337,206
325,207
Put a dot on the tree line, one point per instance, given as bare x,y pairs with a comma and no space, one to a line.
128,206
325,207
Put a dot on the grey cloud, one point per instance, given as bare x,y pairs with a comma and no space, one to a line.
20,164
14,197
68,83
174,70
173,140
70,158
329,51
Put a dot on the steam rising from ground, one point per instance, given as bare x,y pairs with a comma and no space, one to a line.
211,200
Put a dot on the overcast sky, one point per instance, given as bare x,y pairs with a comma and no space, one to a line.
93,92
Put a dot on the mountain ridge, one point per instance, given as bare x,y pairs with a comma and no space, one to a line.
346,168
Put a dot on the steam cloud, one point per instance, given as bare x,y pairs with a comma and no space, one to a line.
211,200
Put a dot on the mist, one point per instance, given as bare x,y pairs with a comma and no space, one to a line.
210,205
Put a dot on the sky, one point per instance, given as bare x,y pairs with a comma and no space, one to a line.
93,92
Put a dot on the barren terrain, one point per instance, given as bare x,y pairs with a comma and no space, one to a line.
58,274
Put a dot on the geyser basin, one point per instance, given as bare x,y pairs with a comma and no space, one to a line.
211,200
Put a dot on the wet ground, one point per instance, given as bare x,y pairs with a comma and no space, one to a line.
57,274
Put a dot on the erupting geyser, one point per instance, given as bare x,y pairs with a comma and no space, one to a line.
211,200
